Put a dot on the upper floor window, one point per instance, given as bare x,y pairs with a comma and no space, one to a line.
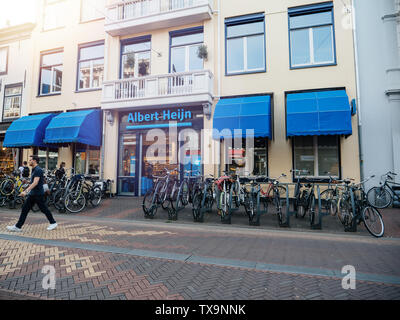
3,60
135,61
12,101
51,69
184,47
311,34
92,10
54,13
91,66
245,44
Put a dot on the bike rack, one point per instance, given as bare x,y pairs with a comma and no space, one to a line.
318,208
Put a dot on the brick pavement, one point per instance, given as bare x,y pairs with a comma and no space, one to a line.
84,274
222,262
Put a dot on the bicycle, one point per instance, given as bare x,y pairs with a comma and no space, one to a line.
159,195
354,208
329,197
252,200
307,202
76,200
203,199
224,196
382,197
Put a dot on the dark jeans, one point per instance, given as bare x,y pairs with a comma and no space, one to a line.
28,204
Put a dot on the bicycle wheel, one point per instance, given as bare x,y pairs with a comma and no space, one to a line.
373,221
35,208
327,197
95,196
278,207
58,200
311,209
75,202
184,189
345,212
379,197
148,201
196,203
209,202
302,205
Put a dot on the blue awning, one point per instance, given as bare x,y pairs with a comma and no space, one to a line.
243,113
318,113
27,131
75,127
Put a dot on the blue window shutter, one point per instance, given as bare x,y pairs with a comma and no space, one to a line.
310,9
245,19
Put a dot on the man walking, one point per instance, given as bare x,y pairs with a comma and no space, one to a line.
35,195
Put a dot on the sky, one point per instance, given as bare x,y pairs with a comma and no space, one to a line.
17,11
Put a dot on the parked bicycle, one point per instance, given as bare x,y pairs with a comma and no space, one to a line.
353,208
382,197
203,198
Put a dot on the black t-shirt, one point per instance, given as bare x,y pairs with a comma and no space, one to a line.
38,190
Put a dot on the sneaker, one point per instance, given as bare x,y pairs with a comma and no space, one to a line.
13,229
52,226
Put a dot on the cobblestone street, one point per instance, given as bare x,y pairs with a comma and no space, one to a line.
120,255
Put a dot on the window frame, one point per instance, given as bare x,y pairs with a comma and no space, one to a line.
241,20
180,33
7,50
46,4
90,20
129,41
43,53
315,178
14,85
307,10
88,45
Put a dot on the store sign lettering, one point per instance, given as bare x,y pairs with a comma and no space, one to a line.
165,115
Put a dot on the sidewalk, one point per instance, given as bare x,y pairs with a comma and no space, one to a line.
130,208
112,252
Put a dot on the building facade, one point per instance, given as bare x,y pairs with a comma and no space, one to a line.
16,49
378,58
267,56
165,83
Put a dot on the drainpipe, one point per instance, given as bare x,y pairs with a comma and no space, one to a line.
358,99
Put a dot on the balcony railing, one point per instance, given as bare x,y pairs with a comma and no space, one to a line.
134,13
184,86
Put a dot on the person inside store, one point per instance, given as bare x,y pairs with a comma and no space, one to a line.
60,171
24,171
92,170
35,194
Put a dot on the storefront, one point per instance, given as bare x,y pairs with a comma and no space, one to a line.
155,139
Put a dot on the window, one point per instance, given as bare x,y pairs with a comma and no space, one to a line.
51,69
91,66
135,60
3,60
92,9
249,160
12,101
87,161
318,155
311,36
184,47
54,13
48,159
245,44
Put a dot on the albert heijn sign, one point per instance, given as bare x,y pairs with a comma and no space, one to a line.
166,115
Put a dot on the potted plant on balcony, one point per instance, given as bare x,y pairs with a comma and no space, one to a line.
202,52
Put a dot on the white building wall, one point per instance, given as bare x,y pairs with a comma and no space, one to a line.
377,36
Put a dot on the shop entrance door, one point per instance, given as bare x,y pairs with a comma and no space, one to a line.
127,175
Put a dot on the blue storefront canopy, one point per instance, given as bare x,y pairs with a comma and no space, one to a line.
27,131
75,127
318,113
244,113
